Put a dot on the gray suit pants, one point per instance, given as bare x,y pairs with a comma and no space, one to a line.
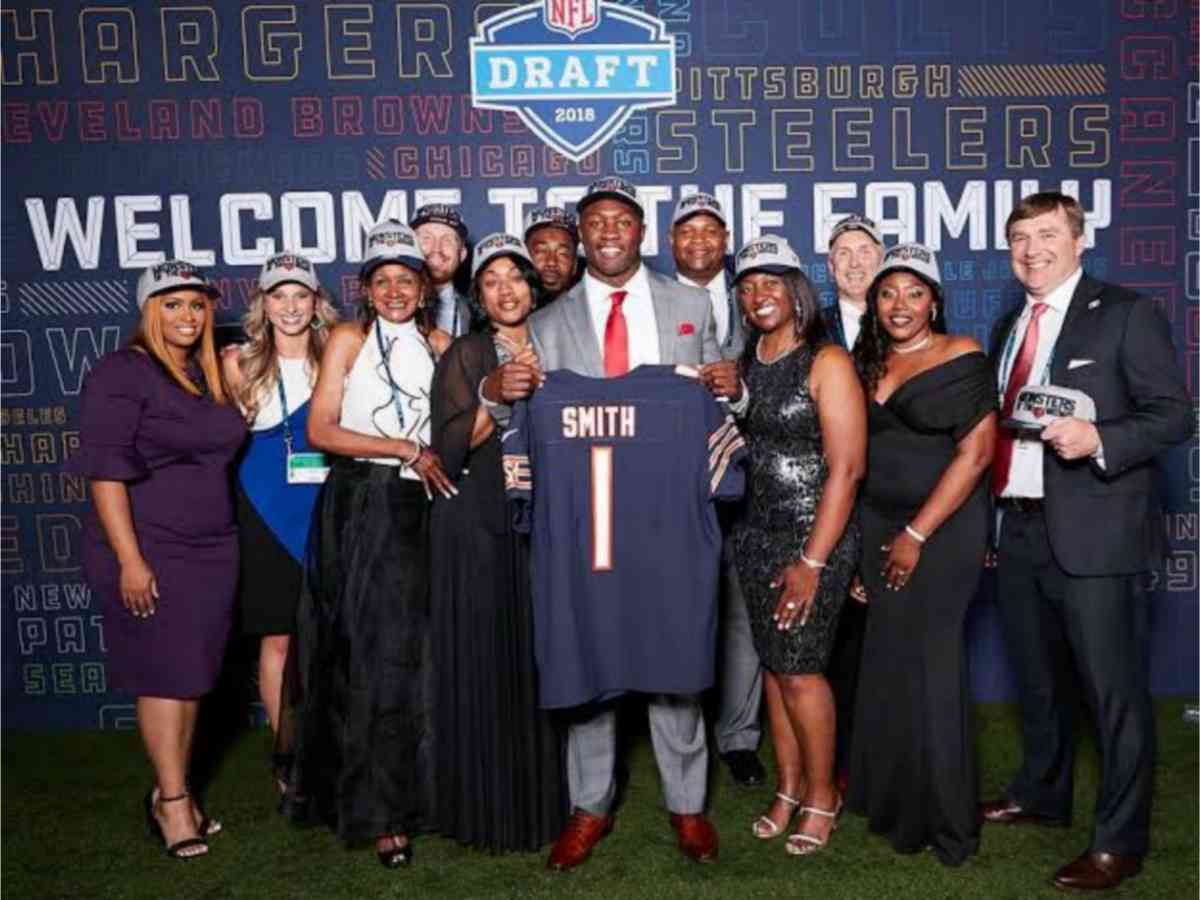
677,733
739,678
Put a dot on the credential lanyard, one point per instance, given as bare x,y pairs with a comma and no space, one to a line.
287,425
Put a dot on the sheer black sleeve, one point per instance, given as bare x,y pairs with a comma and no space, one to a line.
456,398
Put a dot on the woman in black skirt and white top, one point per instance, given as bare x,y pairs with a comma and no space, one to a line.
271,375
363,755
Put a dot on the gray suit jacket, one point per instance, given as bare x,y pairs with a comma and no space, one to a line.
564,337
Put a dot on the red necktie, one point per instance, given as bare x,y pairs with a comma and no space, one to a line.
616,338
1017,379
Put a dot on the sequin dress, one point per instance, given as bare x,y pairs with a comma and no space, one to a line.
787,474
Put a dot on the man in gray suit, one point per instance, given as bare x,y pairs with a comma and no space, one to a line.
442,235
619,316
699,236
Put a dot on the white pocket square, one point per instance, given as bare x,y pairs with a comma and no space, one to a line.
1079,363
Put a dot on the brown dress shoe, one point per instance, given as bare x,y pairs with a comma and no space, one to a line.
697,837
582,832
1094,871
1009,812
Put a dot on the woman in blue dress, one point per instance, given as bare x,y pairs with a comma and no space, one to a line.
271,376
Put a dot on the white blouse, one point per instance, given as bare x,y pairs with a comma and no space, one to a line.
296,385
368,404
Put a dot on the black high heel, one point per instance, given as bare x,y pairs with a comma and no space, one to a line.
396,857
154,829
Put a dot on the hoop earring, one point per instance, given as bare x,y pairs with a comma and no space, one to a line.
933,315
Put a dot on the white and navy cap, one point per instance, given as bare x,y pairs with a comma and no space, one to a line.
441,213
1037,405
855,222
915,258
766,254
694,204
284,268
553,216
613,188
169,276
498,243
391,241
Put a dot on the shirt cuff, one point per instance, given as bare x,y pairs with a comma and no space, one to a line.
739,407
487,404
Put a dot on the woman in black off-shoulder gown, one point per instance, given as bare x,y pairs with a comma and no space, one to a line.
913,772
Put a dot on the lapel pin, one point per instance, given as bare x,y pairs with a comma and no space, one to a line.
1094,304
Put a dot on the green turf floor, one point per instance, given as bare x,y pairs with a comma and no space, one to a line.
71,829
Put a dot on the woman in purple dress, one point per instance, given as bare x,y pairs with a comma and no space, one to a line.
157,435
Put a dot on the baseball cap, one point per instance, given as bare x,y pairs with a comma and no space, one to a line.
169,275
693,204
288,267
391,241
611,187
443,214
916,258
765,254
498,243
855,222
1037,405
550,215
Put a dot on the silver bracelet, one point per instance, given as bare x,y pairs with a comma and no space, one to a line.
408,463
915,535
810,562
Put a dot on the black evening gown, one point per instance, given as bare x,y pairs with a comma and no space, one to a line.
912,771
500,775
787,474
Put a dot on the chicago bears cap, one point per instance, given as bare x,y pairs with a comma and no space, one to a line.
497,243
288,267
916,258
555,216
170,275
391,241
767,253
613,188
443,214
693,204
855,222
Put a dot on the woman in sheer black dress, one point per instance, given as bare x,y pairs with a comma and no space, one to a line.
923,513
500,781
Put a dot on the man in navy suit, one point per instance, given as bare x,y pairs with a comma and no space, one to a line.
699,237
855,253
1080,528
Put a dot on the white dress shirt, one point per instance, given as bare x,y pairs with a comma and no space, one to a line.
718,295
640,322
851,321
1025,473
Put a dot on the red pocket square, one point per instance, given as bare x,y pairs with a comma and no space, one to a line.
687,328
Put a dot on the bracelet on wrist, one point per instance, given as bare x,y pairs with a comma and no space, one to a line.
810,562
915,535
412,460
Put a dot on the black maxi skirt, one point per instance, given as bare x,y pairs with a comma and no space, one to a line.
357,739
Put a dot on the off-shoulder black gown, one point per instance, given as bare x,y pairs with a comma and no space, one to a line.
912,769
500,765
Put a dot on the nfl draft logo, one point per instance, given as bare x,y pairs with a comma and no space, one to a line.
573,70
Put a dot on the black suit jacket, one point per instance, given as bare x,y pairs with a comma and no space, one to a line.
1116,347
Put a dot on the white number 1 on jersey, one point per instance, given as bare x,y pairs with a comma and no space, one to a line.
602,513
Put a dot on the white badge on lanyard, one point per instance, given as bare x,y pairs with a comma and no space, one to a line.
305,467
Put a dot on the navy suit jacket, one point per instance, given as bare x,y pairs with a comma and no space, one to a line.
1116,347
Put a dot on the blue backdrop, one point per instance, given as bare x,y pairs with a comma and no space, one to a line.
218,132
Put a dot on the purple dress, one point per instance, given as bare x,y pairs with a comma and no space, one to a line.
173,451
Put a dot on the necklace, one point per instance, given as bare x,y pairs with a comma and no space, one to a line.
512,346
774,359
920,345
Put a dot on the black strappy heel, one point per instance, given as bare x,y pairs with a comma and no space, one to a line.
154,829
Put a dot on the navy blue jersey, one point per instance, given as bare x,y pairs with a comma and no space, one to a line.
615,478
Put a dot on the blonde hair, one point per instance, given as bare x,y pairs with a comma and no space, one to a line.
149,339
259,358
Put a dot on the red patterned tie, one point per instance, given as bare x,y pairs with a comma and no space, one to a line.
1017,379
616,338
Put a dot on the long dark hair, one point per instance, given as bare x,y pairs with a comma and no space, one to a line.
479,319
423,317
807,320
871,349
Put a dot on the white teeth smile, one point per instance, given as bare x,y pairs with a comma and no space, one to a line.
610,251
765,311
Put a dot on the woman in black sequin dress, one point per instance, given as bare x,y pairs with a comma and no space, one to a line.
795,547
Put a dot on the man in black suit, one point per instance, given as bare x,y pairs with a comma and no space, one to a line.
1080,527
699,236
